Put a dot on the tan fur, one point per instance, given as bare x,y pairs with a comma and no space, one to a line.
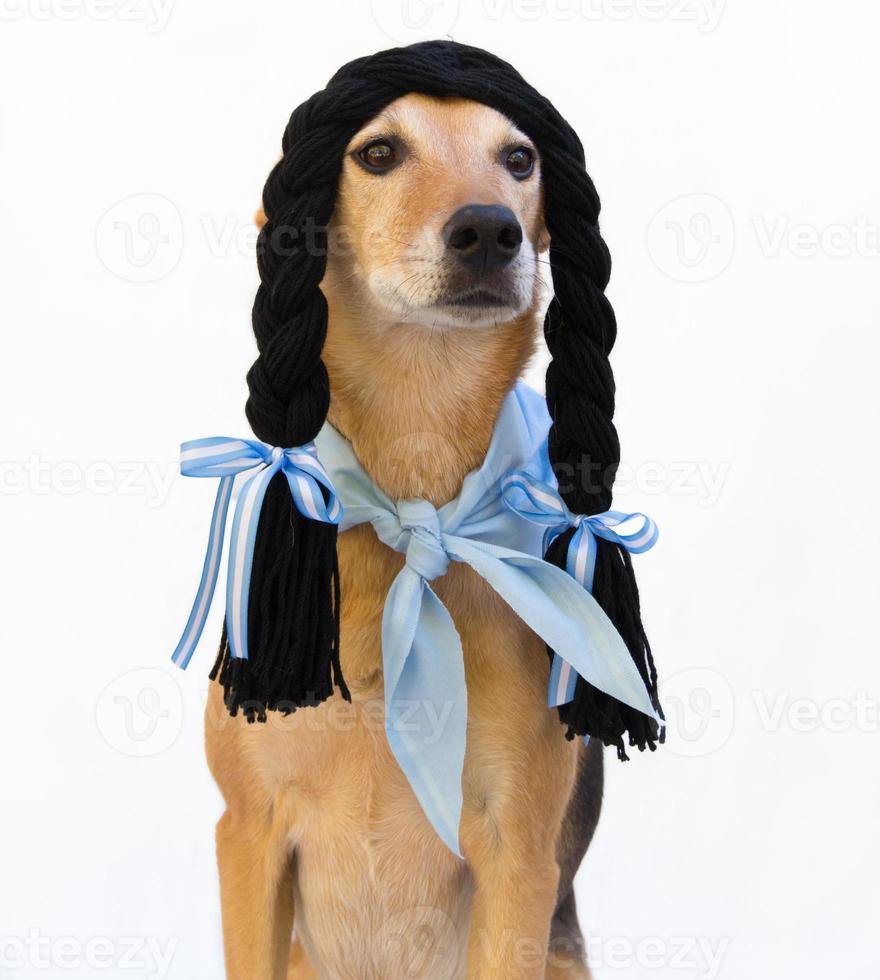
321,827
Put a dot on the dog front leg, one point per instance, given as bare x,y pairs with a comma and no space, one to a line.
515,887
256,891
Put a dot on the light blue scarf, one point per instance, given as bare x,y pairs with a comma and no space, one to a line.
499,525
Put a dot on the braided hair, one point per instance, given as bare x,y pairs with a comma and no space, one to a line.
294,605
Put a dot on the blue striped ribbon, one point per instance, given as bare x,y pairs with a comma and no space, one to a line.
541,504
226,458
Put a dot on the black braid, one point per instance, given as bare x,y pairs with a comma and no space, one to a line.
580,329
293,617
294,605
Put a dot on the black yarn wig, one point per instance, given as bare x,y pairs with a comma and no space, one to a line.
294,603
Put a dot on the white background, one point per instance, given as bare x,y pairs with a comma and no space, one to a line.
735,147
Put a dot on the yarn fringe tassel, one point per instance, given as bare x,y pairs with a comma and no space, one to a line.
293,616
593,712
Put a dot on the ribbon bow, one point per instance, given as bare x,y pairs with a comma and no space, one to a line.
541,504
225,458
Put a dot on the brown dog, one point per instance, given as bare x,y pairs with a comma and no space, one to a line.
433,288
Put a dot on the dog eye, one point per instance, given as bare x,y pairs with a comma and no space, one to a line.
520,162
378,155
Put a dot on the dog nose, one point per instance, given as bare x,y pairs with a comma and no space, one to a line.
483,235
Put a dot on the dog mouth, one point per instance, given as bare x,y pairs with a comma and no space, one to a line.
475,299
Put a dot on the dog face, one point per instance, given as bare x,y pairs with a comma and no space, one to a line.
439,217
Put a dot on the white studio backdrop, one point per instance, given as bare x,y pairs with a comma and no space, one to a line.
735,147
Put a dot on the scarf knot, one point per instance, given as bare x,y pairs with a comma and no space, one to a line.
422,538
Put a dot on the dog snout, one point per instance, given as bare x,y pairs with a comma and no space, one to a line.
483,236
